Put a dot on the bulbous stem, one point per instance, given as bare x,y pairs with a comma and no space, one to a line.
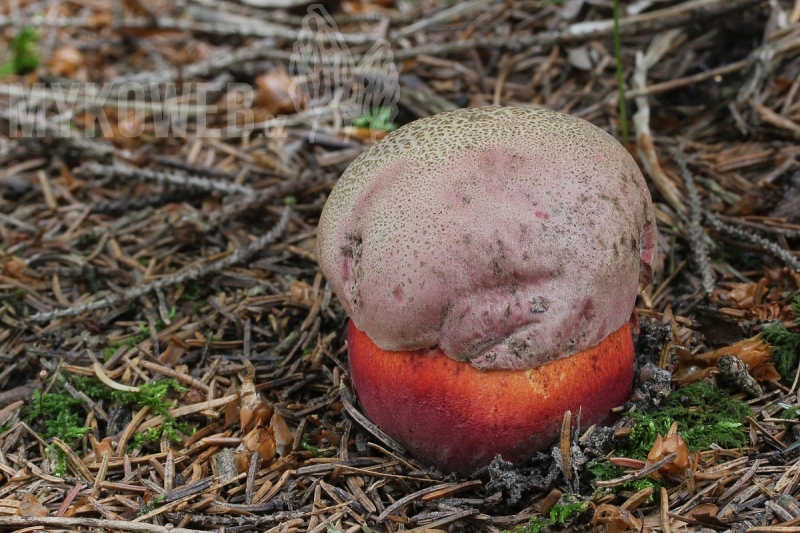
453,416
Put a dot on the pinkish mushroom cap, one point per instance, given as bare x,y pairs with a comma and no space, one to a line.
508,237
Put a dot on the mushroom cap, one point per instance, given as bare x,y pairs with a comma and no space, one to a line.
508,237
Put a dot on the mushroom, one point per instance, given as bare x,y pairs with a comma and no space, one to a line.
489,260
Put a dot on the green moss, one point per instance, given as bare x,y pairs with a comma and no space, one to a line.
705,414
153,395
567,508
604,471
168,429
151,506
58,459
25,54
58,414
66,426
143,335
92,387
786,348
307,446
193,291
724,434
534,525
795,305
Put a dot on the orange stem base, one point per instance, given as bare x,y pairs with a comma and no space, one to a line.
451,415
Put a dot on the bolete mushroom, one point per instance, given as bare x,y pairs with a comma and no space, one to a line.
489,260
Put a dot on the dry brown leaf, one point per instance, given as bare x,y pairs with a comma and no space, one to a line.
267,448
98,449
22,474
283,436
740,296
689,374
771,311
99,19
753,352
365,134
259,439
765,372
65,61
277,93
665,446
231,414
250,440
254,410
301,292
611,519
15,267
173,352
706,513
242,459
30,506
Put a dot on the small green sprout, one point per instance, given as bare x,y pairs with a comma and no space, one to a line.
25,54
380,119
58,459
534,525
151,506
567,508
192,291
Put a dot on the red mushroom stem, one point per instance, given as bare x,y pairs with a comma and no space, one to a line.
450,414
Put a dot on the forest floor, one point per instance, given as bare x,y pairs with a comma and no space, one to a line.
172,359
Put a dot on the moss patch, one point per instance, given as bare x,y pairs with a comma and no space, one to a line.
58,414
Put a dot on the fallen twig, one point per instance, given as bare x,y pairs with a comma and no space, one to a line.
639,474
189,182
697,236
75,523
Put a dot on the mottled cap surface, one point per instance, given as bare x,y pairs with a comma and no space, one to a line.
507,236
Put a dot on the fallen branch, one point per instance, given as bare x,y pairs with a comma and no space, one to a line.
639,474
162,178
697,237
768,246
92,149
688,80
73,523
